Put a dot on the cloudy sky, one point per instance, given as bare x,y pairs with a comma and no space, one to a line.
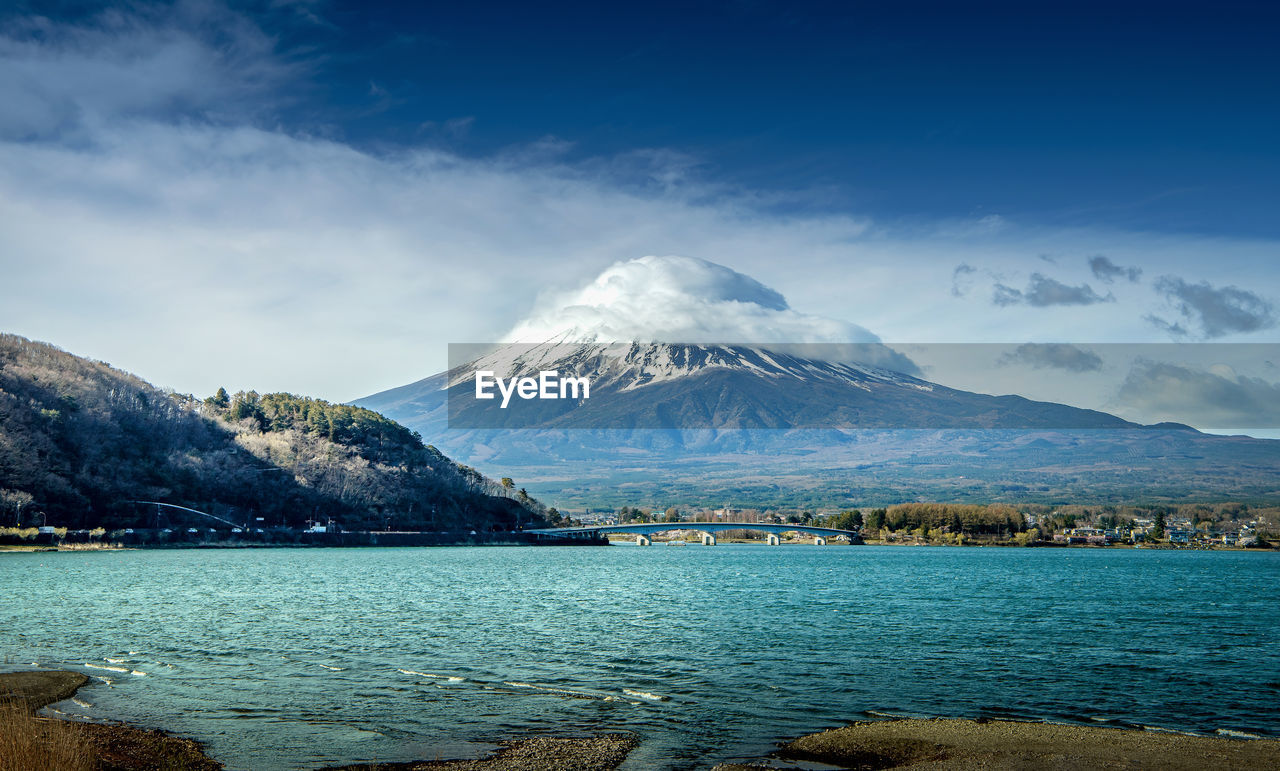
320,196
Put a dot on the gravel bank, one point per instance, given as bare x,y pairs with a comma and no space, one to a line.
999,745
103,746
539,753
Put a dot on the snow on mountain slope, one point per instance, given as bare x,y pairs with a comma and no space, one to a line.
665,385
629,366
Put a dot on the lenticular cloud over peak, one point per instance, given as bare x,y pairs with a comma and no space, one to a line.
677,299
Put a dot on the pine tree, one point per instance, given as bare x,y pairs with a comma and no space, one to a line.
219,400
1157,530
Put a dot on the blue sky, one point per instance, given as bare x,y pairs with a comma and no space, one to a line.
1159,116
185,185
1155,115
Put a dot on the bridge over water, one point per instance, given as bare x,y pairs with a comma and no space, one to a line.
644,531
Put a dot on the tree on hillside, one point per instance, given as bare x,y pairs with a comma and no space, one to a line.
81,441
220,399
1157,529
846,520
15,501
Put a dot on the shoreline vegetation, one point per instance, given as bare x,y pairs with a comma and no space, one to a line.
343,540
628,539
618,540
28,741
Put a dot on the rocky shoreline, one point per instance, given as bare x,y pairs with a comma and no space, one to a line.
37,742
539,753
28,741
31,742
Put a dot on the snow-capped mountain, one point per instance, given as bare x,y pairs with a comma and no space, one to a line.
630,366
690,386
706,423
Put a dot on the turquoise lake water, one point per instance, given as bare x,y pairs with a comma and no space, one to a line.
297,658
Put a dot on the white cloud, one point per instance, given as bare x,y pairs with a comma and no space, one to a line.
1044,291
196,254
1216,396
153,216
678,300
1217,311
191,59
1059,356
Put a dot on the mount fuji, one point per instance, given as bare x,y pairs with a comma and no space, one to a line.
703,425
696,386
841,420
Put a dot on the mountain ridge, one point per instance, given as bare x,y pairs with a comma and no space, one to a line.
80,442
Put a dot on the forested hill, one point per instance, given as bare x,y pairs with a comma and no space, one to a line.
81,441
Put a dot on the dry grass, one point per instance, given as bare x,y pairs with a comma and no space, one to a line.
29,743
1005,746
